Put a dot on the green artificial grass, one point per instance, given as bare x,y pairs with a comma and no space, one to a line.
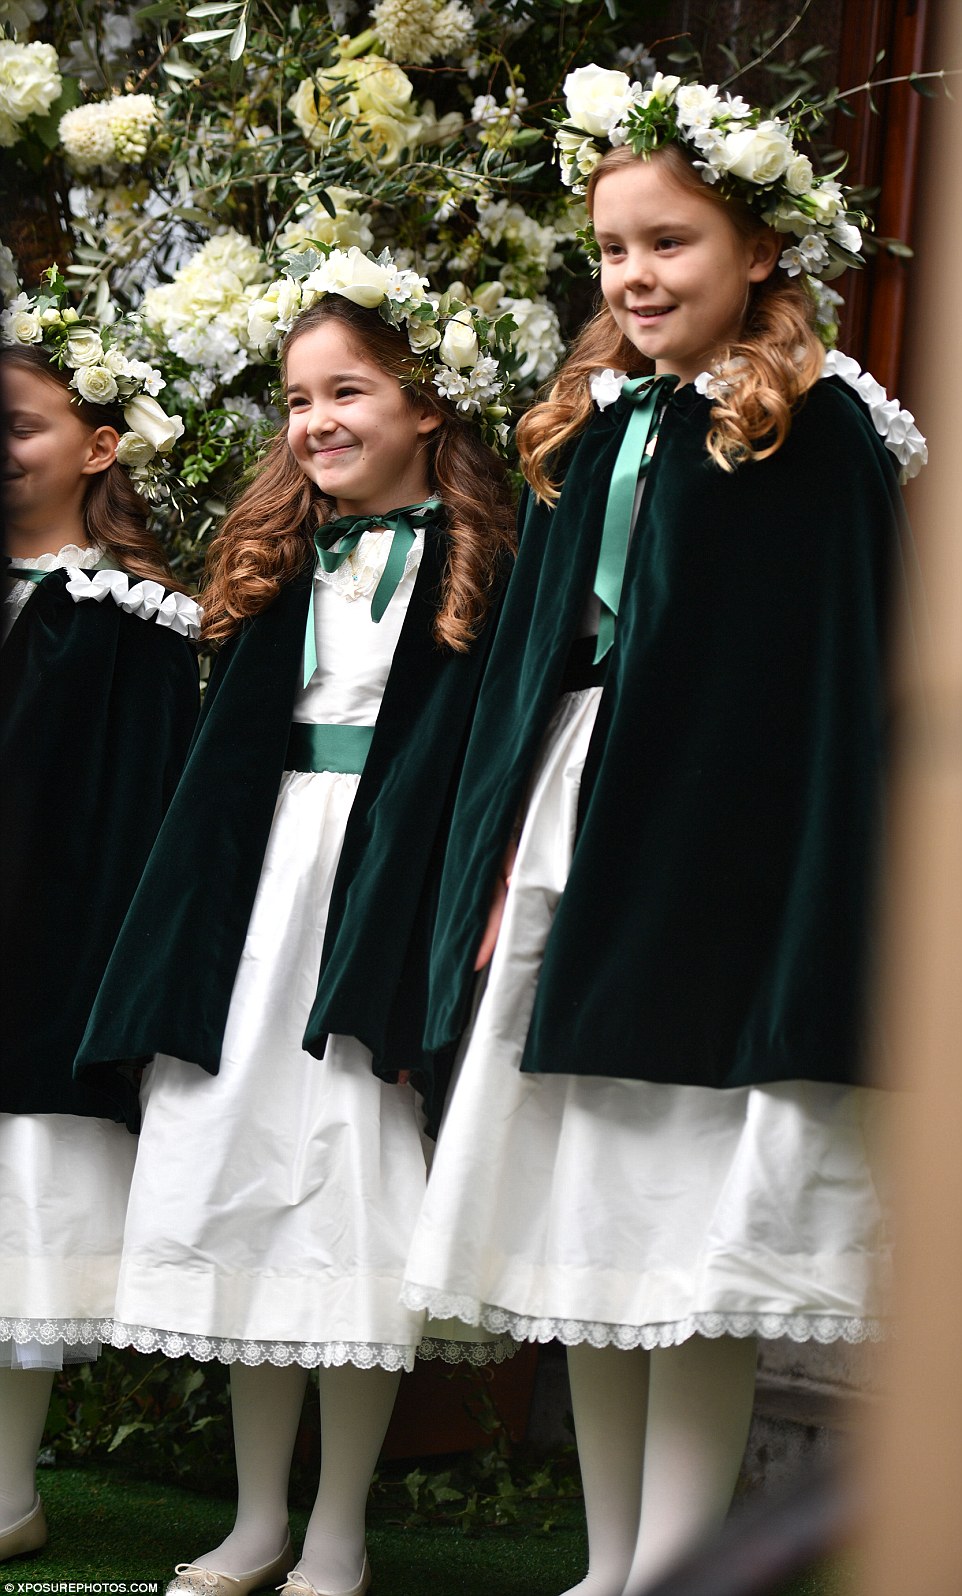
107,1527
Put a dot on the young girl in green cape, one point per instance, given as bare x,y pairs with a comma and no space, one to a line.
278,939
98,693
657,1149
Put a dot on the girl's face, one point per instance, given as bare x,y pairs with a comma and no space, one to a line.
350,427
49,454
674,270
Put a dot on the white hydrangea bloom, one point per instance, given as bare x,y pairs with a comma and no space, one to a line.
29,83
416,31
109,133
203,312
538,337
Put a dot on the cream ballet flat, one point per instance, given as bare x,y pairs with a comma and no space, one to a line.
27,1535
298,1584
189,1580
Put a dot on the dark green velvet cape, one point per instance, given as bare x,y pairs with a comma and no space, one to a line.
96,711
168,986
713,929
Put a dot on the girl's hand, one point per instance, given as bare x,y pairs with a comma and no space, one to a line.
490,938
403,1076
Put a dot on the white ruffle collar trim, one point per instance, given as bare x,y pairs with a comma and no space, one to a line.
145,598
895,426
358,575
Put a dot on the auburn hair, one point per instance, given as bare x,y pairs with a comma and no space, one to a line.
773,364
267,535
115,515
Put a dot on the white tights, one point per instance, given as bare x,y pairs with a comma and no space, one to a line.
660,1442
356,1407
24,1400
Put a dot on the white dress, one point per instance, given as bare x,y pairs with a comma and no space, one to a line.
63,1186
626,1213
272,1204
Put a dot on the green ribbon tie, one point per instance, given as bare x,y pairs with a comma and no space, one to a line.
348,531
647,395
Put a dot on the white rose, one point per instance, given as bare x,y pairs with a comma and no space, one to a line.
96,384
379,85
799,175
144,415
134,450
596,99
759,154
25,328
422,336
389,136
352,275
84,348
459,341
116,361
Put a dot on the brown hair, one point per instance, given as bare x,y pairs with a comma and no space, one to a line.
779,347
267,535
114,513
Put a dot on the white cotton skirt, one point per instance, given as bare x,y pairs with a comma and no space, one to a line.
63,1194
627,1213
272,1204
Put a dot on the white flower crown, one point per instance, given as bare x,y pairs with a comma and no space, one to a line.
732,145
472,354
101,373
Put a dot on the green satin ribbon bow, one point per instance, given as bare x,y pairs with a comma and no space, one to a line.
348,531
647,395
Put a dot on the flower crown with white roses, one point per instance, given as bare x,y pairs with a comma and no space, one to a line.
471,353
732,145
101,373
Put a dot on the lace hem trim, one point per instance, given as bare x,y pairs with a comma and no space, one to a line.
308,1354
823,1328
48,1332
478,1353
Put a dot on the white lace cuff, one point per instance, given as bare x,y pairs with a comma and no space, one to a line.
146,598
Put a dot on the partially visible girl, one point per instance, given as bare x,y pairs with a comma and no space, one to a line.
98,692
279,938
659,1146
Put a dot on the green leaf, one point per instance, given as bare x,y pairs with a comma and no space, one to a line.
925,89
177,69
207,35
215,8
122,1432
238,41
160,11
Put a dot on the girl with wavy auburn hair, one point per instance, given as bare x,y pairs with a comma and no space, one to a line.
660,1146
274,962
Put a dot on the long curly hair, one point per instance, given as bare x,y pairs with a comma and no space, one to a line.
773,364
115,515
267,535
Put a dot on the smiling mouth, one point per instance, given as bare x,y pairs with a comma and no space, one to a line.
650,312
